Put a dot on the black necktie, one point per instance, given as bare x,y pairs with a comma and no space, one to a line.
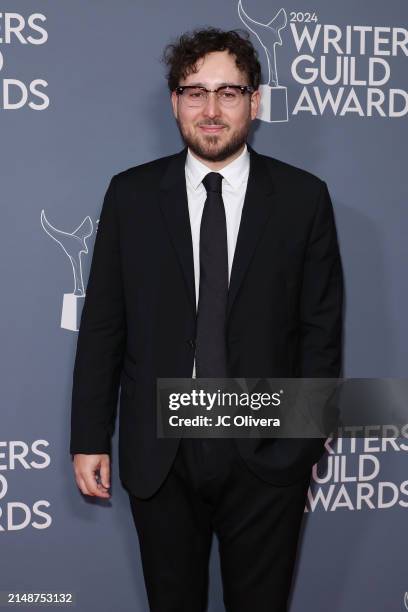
211,349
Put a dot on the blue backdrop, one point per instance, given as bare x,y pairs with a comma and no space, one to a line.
83,96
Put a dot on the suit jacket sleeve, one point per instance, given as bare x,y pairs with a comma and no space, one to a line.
321,296
101,340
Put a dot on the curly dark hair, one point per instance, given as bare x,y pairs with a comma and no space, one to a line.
181,56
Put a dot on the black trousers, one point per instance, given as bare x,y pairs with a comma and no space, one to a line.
210,489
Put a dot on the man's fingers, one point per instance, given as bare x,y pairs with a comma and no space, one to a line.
82,486
105,473
92,485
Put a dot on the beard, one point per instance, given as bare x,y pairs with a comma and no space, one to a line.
209,146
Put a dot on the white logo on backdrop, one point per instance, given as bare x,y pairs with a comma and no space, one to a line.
350,476
406,599
26,30
18,456
73,245
274,97
341,70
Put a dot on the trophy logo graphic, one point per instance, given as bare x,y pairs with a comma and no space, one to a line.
73,244
274,97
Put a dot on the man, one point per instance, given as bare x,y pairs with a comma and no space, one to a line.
216,261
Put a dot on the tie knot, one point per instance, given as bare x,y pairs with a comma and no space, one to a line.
212,182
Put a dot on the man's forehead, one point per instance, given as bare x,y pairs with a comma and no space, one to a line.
215,69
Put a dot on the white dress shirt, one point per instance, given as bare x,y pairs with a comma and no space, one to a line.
233,193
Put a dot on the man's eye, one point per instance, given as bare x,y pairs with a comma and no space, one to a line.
195,94
228,94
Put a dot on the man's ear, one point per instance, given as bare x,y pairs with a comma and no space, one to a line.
255,101
174,102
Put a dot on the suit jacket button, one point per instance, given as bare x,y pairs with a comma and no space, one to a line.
191,343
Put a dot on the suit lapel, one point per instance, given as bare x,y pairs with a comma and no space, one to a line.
255,213
174,206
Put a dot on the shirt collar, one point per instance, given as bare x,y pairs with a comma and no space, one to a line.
234,173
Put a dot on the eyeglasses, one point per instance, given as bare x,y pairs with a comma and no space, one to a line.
228,96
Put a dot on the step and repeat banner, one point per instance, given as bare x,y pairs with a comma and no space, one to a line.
83,96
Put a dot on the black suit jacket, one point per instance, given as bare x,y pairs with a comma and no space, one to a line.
139,317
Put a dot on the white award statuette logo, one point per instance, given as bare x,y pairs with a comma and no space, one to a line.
273,105
406,599
74,245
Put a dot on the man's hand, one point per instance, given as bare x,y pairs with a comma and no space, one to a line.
86,468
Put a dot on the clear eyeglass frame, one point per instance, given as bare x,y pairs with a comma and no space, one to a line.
229,96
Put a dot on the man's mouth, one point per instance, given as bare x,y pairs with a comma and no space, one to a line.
211,129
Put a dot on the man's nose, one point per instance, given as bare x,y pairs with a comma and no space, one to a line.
212,105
